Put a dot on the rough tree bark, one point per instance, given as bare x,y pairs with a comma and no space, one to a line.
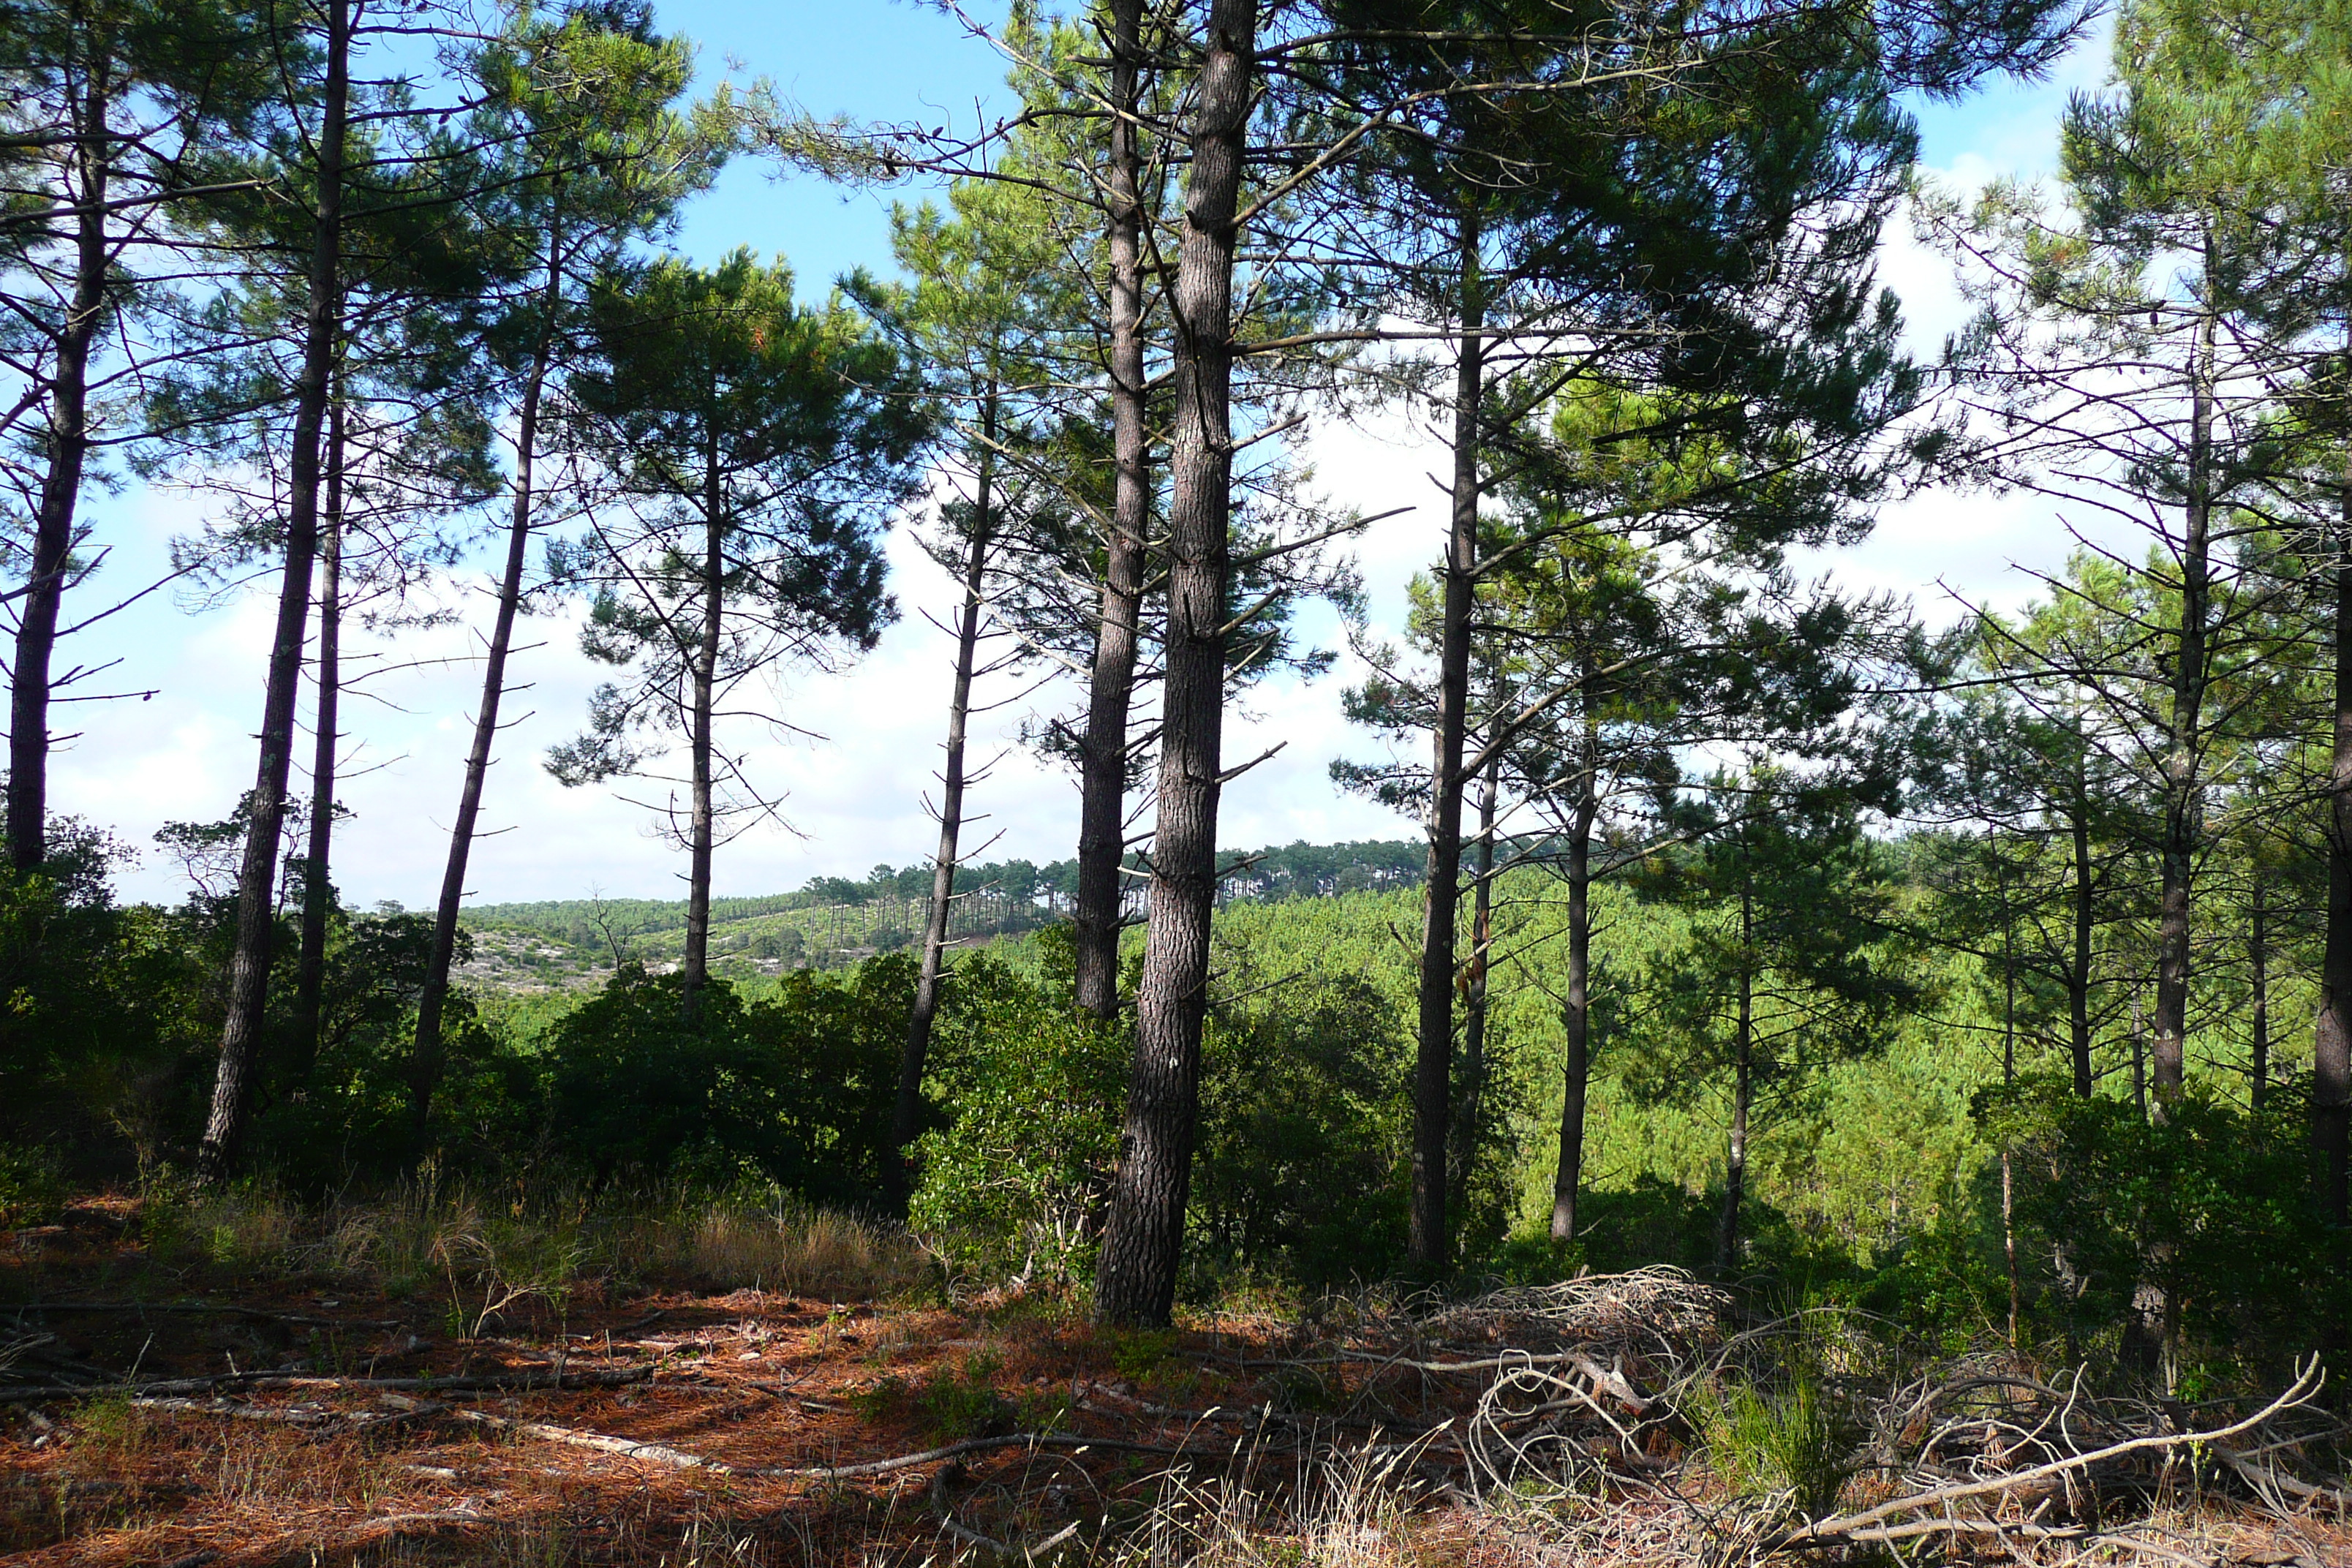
248,975
425,1056
68,454
2331,1054
310,976
1433,1070
2078,972
1136,1280
1576,1016
1102,754
1474,994
2183,786
694,967
907,1111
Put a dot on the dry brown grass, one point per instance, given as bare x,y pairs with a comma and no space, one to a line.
476,1252
728,1248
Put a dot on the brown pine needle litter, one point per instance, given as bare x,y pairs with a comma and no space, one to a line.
310,1410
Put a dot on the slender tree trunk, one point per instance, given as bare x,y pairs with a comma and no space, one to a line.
2138,1057
2078,972
694,966
1576,1019
2331,1043
248,976
1102,757
1743,1098
1473,996
2257,958
1432,1069
69,452
908,1109
310,980
2183,768
2009,1081
1135,1280
424,1061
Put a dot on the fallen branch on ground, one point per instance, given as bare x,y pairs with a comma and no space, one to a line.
654,1453
267,1380
311,1417
226,1309
1874,1524
2263,1477
981,1445
679,1459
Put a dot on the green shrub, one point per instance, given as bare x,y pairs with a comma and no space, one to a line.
793,1089
2213,1205
1305,1155
1794,1442
948,1405
1013,1182
32,1187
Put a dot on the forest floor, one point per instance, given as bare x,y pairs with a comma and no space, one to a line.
164,1413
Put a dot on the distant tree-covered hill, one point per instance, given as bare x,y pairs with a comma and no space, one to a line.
833,920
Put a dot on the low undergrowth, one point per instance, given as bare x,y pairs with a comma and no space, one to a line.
308,1412
488,1255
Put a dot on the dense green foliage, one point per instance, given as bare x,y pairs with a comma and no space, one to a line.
1873,1179
835,921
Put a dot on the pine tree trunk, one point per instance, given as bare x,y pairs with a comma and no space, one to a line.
2331,1052
1102,756
2258,959
1576,1019
69,453
2078,972
694,967
907,1111
2009,1081
1433,1070
310,979
249,978
2183,814
1473,998
425,1057
1743,1097
1136,1279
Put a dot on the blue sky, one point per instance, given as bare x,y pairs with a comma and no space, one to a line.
856,797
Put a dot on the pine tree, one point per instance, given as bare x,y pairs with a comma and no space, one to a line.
592,152
109,108
753,449
1779,973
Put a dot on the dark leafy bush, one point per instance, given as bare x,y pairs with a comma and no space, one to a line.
2202,1225
794,1089
1305,1133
